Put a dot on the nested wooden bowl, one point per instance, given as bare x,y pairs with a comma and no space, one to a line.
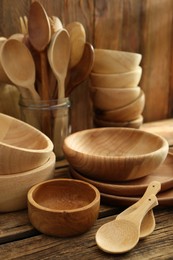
116,80
115,154
115,61
22,147
113,98
14,187
63,207
123,114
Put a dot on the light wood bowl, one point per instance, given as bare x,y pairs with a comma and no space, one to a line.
115,154
127,113
132,124
113,98
22,147
115,61
116,80
14,187
63,207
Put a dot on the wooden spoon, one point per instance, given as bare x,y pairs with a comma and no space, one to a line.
77,42
18,67
58,56
39,31
81,71
148,223
121,235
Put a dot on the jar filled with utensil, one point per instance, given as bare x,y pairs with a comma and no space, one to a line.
52,117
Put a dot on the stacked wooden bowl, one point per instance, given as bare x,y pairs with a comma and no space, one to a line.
26,158
114,88
120,162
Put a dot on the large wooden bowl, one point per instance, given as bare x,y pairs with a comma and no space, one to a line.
127,113
116,80
63,207
14,187
115,154
115,61
113,98
22,147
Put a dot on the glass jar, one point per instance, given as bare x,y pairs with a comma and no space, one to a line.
52,117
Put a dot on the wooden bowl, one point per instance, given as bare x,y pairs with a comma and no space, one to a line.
115,154
113,98
116,80
115,61
14,187
132,124
63,207
127,113
22,147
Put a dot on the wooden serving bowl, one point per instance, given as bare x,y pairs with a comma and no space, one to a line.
115,154
115,61
113,98
116,80
14,187
63,207
22,147
127,113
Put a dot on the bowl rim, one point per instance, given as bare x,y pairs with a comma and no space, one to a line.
164,143
48,148
137,70
38,206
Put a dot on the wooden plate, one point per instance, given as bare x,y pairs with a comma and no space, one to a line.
164,198
164,174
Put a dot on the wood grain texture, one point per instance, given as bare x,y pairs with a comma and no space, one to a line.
142,26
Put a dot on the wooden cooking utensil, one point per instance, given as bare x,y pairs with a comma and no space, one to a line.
81,70
148,223
18,67
77,42
121,235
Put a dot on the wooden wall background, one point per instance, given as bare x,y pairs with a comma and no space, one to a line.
144,26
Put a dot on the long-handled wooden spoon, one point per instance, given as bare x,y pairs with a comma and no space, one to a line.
148,223
18,67
121,235
81,71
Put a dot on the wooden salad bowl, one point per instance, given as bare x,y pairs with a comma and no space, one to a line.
115,154
22,147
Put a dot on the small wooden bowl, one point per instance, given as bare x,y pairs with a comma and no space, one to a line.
115,154
63,207
14,187
115,61
116,80
127,113
132,124
22,147
113,98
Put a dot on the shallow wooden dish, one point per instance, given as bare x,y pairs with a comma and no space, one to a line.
115,61
14,187
22,147
132,124
127,113
115,154
113,98
63,207
116,80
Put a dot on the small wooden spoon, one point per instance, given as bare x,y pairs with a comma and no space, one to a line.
18,67
148,223
81,71
58,56
121,235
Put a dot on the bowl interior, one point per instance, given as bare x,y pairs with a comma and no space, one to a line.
63,195
19,134
113,142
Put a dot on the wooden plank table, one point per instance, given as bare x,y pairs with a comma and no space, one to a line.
19,240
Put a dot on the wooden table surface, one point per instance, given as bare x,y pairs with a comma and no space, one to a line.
19,240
